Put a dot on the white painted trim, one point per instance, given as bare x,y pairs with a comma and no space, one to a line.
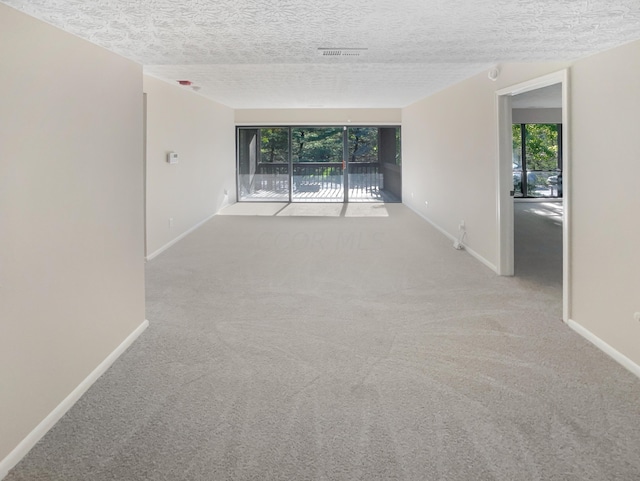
534,84
567,196
606,348
181,236
471,252
21,450
504,183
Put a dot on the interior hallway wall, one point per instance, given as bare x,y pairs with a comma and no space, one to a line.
450,159
537,116
449,155
202,133
71,217
605,101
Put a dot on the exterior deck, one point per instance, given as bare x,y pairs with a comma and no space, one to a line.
317,182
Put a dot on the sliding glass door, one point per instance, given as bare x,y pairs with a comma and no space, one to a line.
319,164
317,157
263,164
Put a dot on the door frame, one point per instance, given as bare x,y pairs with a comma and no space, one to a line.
504,169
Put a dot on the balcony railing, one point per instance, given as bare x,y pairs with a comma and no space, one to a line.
322,181
309,176
317,176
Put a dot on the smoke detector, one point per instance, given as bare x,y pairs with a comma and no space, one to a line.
342,52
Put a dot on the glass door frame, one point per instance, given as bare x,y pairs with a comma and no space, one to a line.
345,163
290,128
321,172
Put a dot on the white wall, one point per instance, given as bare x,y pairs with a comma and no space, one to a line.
202,133
318,116
605,104
449,156
449,160
71,219
537,116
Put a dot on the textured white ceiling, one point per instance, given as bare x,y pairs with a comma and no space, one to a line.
263,53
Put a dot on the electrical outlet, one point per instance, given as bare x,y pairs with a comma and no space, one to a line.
426,202
636,316
461,226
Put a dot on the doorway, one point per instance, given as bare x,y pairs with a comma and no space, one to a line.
506,175
319,164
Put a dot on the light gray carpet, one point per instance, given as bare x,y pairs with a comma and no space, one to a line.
538,242
335,348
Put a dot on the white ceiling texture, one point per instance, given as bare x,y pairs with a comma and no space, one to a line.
264,53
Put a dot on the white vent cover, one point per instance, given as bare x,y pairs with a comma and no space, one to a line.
342,52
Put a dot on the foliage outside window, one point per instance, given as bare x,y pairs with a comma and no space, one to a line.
541,145
537,160
316,144
363,144
312,144
274,145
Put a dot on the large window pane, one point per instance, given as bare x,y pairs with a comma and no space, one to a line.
374,164
317,164
263,166
543,183
541,142
517,160
274,145
363,144
307,164
390,164
365,178
537,170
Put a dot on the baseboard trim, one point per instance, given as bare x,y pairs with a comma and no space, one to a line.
179,238
606,348
471,252
21,450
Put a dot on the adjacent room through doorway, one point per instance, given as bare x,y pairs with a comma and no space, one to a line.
534,168
538,187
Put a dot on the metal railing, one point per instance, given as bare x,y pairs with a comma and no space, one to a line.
317,176
309,177
365,177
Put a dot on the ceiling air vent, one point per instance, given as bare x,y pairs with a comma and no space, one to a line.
342,52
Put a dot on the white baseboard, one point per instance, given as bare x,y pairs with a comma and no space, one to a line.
606,348
471,252
179,238
54,416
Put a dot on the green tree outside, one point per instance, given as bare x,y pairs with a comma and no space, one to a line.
541,146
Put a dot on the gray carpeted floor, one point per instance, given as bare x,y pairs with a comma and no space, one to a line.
346,348
538,242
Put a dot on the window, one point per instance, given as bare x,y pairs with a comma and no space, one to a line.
319,164
537,160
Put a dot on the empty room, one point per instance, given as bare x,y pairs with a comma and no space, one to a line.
250,240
